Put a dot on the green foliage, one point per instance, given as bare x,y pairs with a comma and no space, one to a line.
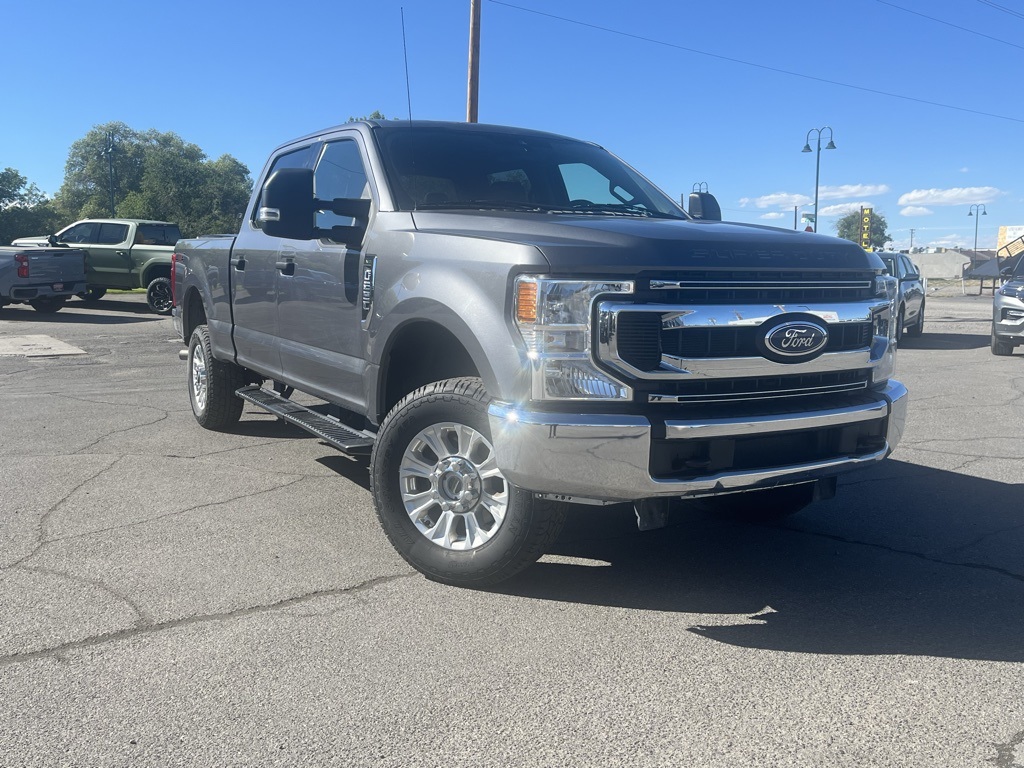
155,176
24,210
375,115
848,228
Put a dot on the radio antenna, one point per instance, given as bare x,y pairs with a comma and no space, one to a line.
405,52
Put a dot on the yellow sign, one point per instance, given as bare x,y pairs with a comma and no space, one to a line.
865,228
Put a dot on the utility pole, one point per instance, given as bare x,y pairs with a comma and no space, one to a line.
911,241
108,150
473,89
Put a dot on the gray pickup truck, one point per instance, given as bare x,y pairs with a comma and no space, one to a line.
44,278
121,254
510,321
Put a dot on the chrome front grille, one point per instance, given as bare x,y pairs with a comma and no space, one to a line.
690,351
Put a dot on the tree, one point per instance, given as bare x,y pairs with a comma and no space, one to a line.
155,176
24,210
848,228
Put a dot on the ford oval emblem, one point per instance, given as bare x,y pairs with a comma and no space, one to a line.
796,341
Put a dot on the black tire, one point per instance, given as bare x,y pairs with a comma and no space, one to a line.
48,304
93,294
212,384
158,296
458,494
900,318
762,506
918,327
1001,348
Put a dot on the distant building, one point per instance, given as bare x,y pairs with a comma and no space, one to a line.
946,263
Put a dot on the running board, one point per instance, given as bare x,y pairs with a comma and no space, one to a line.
327,429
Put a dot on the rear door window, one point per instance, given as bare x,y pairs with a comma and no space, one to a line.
112,234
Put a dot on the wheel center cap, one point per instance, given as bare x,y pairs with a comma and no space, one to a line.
458,483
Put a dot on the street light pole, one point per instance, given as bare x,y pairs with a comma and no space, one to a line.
977,211
817,162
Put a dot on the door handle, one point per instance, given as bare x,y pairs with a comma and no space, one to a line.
286,266
238,263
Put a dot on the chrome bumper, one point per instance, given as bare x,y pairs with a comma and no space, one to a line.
607,457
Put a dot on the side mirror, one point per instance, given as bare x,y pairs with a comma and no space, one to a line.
52,241
704,206
286,209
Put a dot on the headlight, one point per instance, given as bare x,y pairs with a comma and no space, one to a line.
553,318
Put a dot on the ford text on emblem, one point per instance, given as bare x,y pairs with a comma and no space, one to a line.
795,342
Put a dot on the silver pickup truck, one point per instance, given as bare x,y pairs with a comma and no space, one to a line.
511,321
45,278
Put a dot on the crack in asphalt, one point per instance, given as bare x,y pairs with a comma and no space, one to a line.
141,617
910,553
151,628
163,417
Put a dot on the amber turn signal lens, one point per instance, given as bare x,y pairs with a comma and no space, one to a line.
526,302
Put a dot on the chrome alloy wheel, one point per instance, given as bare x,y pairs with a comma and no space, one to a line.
200,380
452,488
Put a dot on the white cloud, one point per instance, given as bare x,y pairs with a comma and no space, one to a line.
841,209
851,190
775,215
916,210
777,200
965,169
952,196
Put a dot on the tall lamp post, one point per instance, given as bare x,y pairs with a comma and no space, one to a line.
977,211
818,132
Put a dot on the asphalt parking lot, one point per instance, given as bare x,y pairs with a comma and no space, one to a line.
172,596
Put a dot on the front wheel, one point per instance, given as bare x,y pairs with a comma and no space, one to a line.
441,498
158,295
899,325
48,304
212,384
918,327
1001,348
92,294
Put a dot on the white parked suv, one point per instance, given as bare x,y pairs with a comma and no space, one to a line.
1008,313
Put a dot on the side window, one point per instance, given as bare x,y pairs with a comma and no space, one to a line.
83,233
908,265
297,159
902,267
339,174
584,182
157,234
112,234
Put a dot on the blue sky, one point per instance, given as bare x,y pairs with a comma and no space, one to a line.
721,92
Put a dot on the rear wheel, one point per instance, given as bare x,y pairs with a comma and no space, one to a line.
158,295
441,498
212,384
48,304
1001,348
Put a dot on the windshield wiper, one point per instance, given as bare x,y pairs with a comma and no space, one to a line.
619,209
480,205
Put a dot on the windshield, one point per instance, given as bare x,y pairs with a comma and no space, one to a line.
436,168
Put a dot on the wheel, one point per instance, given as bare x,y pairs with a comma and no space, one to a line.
440,497
212,384
48,304
999,347
93,294
158,295
899,325
918,327
762,506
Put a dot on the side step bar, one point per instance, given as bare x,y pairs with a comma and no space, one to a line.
327,429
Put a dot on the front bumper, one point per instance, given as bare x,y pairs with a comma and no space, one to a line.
1008,318
609,457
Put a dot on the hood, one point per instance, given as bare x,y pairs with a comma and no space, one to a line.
33,240
626,245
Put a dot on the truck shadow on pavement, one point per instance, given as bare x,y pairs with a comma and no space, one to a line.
906,560
80,313
945,341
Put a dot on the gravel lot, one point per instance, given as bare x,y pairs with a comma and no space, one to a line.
171,596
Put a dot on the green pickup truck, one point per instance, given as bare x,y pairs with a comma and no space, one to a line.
121,254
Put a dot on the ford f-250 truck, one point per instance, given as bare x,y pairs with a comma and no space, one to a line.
123,254
512,320
44,278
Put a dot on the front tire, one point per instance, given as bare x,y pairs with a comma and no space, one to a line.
158,296
1001,348
440,497
900,319
212,384
918,327
92,295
